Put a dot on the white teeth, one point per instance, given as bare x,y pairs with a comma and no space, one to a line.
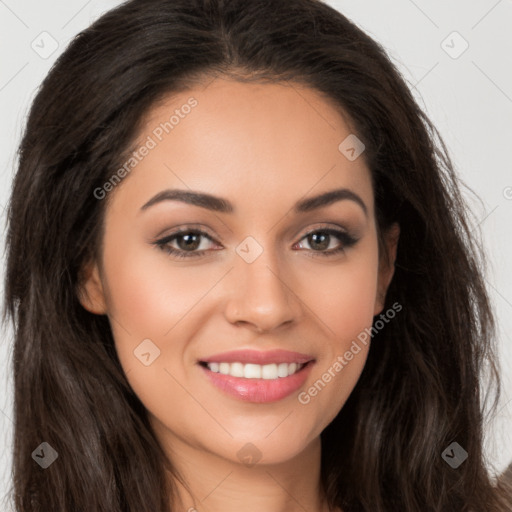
251,371
237,370
255,371
269,371
282,370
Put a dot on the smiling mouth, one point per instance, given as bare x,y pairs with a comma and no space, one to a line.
257,383
258,376
271,371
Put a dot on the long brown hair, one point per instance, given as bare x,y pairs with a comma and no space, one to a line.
420,390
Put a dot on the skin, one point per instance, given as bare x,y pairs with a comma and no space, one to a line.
262,147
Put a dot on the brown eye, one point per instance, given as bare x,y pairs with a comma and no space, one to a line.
187,242
320,239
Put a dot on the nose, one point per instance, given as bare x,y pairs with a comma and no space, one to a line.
261,296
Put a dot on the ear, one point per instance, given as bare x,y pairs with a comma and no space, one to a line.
90,290
386,266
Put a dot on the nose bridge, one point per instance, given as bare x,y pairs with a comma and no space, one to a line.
261,296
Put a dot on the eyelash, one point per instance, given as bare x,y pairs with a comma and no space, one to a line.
163,244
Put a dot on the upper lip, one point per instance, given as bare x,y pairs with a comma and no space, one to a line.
259,357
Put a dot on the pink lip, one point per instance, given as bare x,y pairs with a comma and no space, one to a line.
259,357
259,390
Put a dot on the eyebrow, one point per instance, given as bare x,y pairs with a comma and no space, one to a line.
221,205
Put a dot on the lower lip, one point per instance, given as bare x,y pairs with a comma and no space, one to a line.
259,390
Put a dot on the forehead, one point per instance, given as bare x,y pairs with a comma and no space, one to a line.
267,142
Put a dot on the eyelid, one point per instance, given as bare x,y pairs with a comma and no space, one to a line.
184,228
344,236
326,227
197,228
165,239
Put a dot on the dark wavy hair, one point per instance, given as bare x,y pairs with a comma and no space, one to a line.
421,388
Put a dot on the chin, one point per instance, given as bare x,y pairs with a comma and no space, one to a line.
272,450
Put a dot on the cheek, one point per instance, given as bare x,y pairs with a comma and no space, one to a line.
148,294
344,300
343,296
149,298
151,310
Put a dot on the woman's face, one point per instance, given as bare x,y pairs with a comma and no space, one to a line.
247,333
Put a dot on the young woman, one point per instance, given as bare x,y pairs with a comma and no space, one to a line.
242,276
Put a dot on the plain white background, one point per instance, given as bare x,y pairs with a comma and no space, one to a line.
456,57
